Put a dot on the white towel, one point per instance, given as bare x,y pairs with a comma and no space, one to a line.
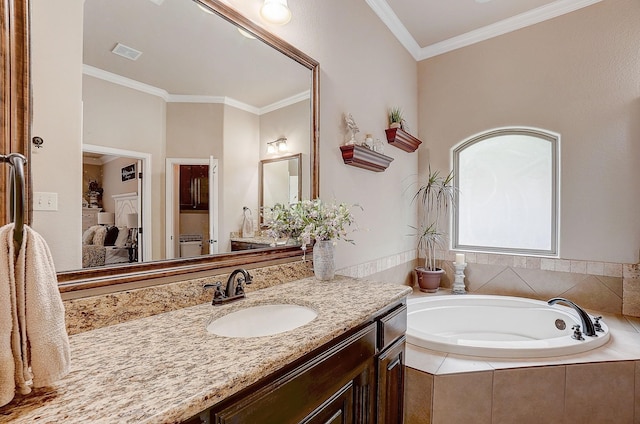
40,345
7,312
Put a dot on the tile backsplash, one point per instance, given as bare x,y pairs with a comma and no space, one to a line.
600,286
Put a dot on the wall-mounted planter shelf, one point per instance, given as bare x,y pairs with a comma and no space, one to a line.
402,140
362,157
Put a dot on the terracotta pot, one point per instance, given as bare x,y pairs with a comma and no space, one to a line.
428,280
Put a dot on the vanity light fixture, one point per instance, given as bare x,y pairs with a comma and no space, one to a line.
275,12
279,145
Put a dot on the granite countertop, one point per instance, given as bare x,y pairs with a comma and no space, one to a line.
258,240
167,367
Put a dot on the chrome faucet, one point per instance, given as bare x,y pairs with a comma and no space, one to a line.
587,325
234,289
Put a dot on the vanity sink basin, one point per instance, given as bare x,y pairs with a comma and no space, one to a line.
263,320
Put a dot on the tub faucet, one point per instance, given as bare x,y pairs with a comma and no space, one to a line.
587,325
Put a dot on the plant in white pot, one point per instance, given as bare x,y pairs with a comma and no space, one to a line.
436,196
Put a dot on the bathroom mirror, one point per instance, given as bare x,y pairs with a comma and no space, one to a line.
175,99
280,181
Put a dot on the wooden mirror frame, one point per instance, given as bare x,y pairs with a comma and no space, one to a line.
15,92
263,162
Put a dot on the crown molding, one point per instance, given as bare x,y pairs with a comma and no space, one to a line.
391,20
523,20
124,81
185,98
532,17
305,95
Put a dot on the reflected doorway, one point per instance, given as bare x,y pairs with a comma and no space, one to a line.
191,207
114,198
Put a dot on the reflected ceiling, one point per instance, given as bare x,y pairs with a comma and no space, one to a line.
172,59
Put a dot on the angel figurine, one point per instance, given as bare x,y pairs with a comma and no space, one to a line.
351,125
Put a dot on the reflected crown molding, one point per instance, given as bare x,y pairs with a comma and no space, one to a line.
92,71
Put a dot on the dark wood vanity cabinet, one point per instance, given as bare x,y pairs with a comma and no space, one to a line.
356,379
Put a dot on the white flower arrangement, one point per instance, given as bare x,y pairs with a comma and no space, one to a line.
309,220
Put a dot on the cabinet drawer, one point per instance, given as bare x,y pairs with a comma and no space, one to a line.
392,326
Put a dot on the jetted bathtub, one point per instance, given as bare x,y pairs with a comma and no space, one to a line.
496,327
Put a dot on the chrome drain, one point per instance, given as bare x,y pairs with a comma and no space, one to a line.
560,324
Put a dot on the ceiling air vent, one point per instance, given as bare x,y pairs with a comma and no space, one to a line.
126,51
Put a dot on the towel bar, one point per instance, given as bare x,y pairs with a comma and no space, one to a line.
16,179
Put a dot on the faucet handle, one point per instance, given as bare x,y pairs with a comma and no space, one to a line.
597,325
218,293
577,334
240,286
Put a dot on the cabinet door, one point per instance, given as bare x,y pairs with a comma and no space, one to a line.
391,384
336,410
336,386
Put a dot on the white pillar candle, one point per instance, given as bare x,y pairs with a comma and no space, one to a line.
459,258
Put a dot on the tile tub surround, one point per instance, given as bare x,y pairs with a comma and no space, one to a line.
606,286
556,388
167,368
95,312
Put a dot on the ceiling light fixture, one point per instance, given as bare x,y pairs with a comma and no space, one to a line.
275,12
246,34
205,9
279,145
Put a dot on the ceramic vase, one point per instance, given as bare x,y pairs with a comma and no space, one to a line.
324,266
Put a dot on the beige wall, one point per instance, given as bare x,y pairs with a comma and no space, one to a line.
194,130
364,71
240,165
113,184
576,75
57,111
123,118
294,123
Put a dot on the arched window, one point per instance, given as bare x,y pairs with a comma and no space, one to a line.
507,192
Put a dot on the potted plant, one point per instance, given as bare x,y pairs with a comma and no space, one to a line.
395,118
436,196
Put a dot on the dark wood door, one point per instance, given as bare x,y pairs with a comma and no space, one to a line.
391,384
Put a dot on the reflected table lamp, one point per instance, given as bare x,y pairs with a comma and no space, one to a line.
106,218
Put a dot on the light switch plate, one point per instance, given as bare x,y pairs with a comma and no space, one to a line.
45,201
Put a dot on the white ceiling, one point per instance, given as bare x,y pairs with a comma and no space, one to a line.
189,55
427,28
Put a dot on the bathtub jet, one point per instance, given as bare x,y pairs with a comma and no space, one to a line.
498,327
